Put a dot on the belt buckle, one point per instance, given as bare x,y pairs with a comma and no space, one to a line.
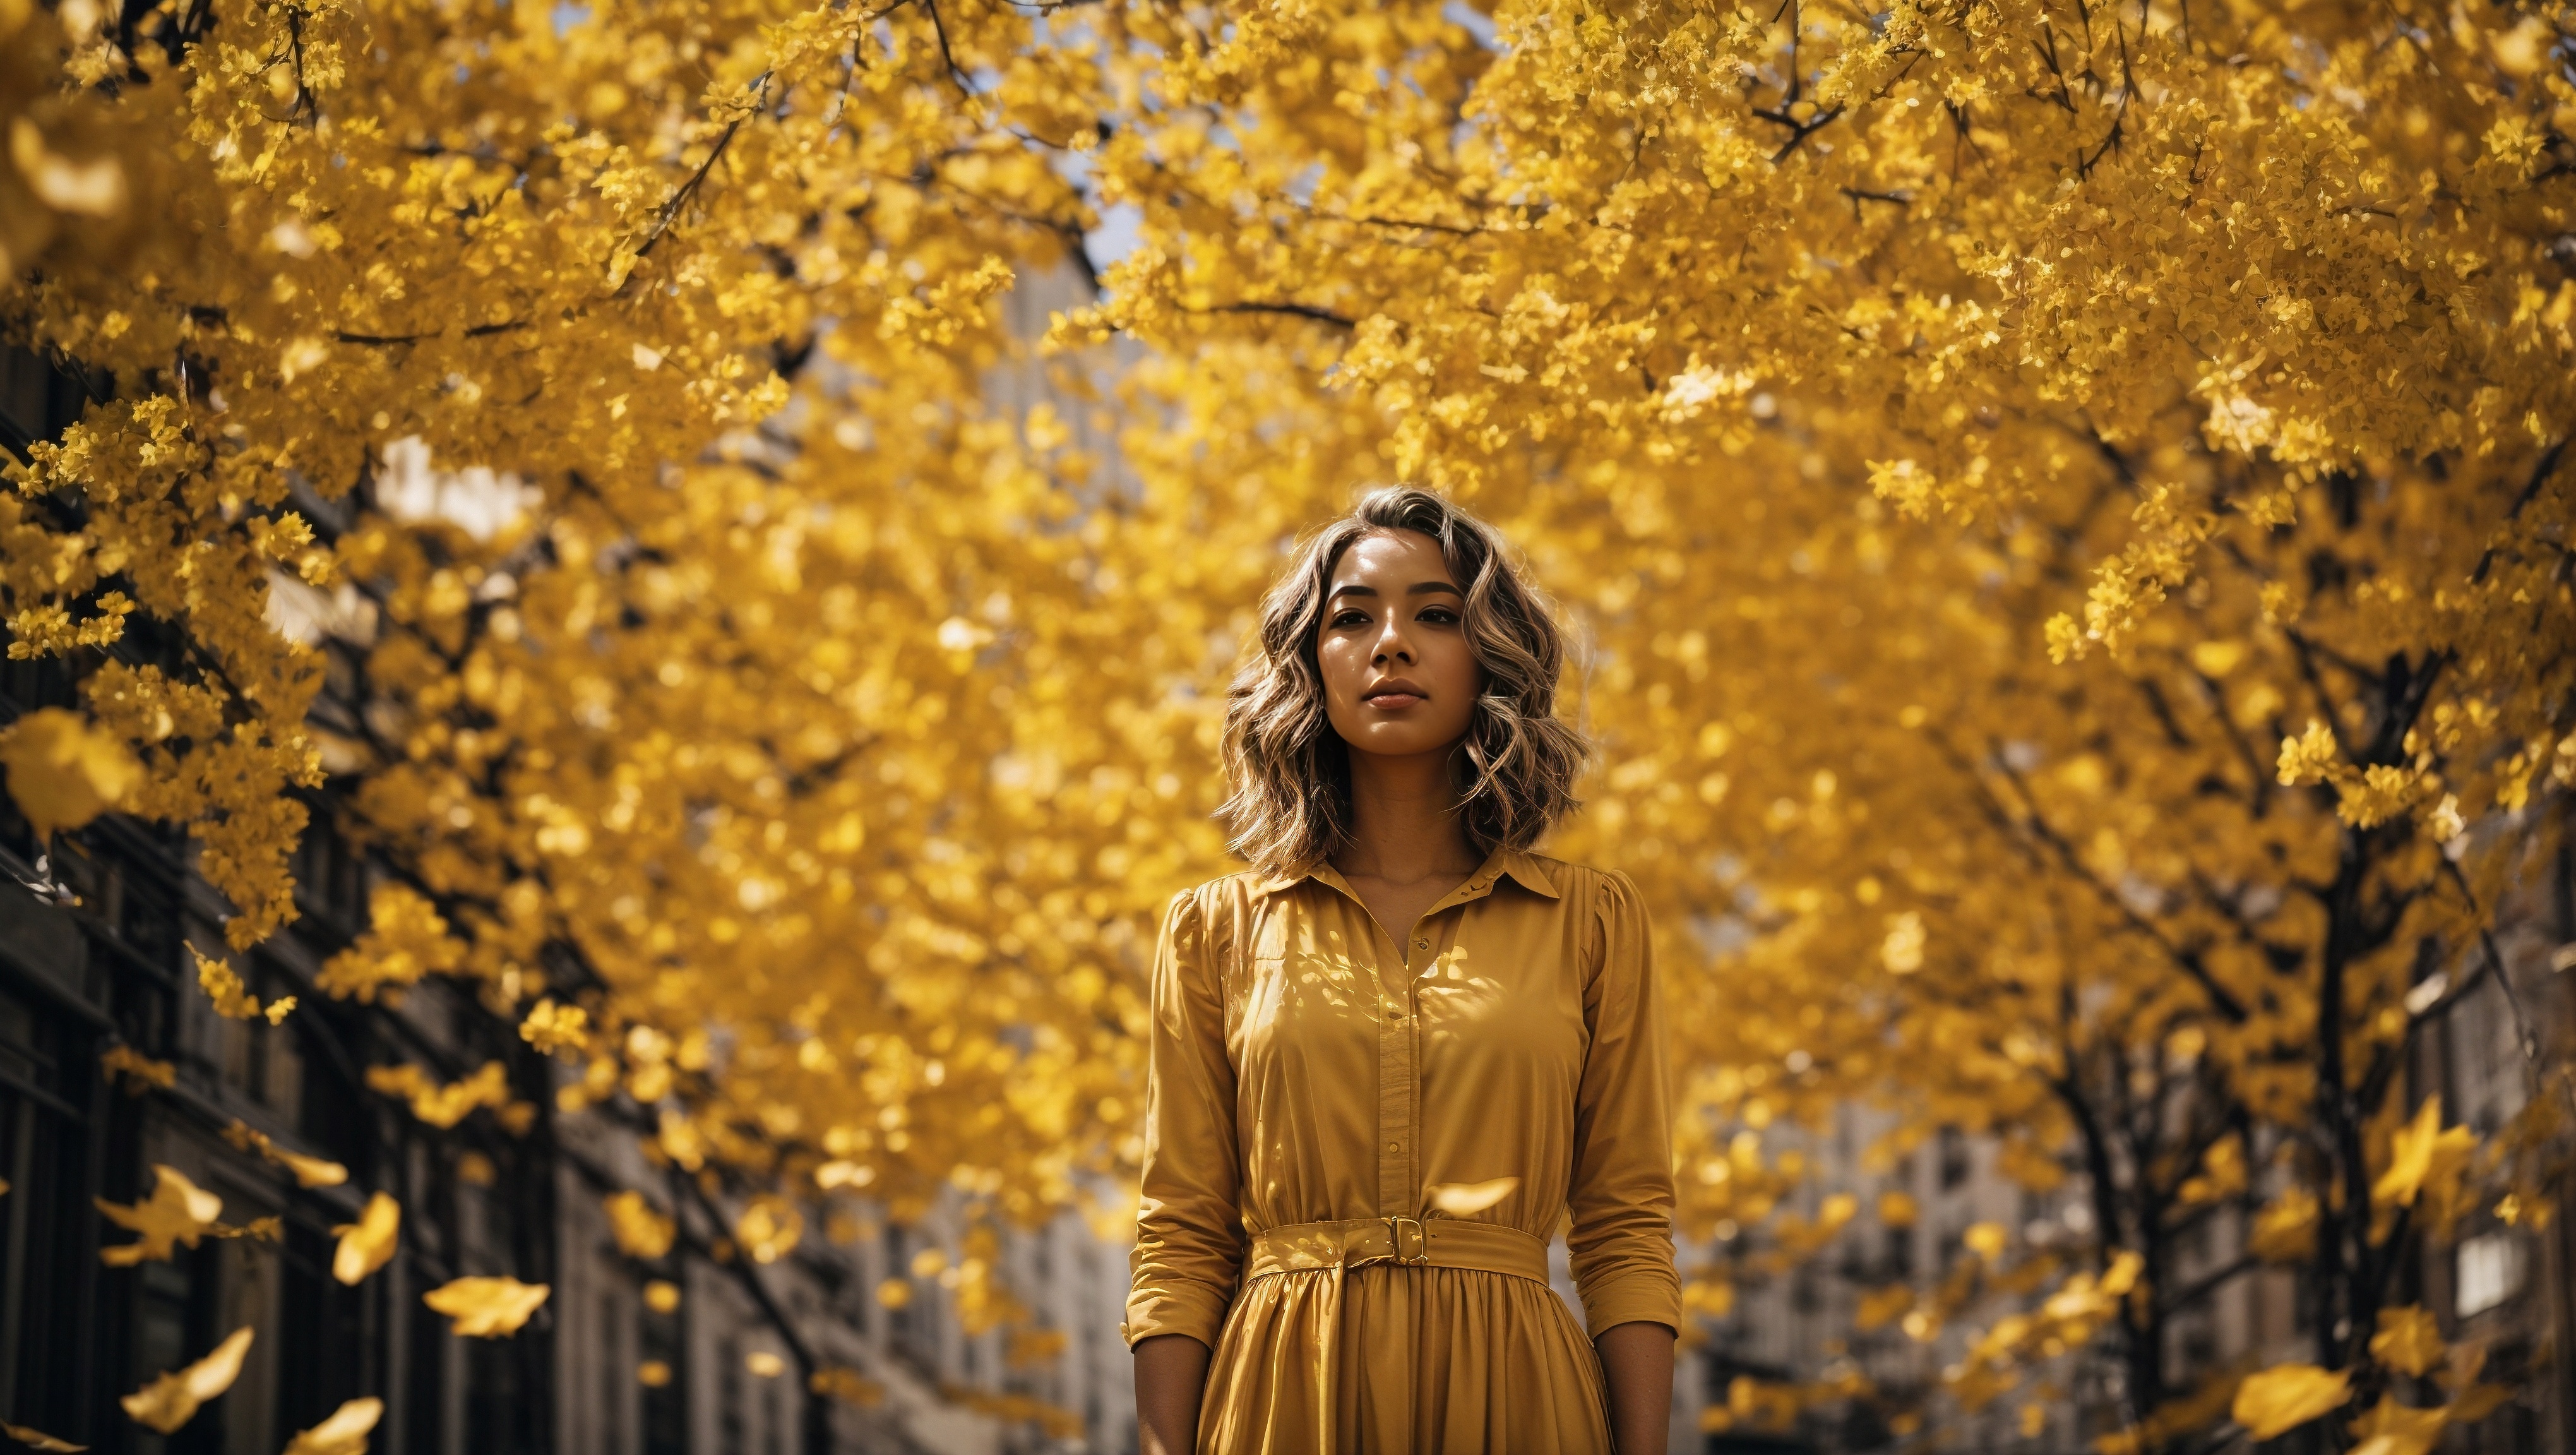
1420,1254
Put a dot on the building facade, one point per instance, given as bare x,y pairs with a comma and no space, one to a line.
95,976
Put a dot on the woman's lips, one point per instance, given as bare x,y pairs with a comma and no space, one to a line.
1390,701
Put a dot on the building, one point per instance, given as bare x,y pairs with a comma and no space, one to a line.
94,967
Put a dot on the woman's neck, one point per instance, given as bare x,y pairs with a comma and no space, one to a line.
1404,820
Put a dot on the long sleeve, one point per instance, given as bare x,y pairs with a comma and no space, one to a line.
1622,1198
1189,1226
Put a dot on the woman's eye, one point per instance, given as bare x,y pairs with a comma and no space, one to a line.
1439,615
1350,618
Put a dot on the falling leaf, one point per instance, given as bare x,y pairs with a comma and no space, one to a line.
487,1308
367,1244
2422,1153
2285,1231
141,1072
344,1433
179,1212
443,1105
1881,1306
308,1171
769,1229
652,1374
1986,1240
1460,1199
312,1171
2390,1428
172,1400
2477,1402
662,1296
38,1439
2409,1340
893,1293
764,1364
63,772
1897,1209
640,1231
2286,1396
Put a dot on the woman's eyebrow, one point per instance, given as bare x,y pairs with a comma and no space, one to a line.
1418,588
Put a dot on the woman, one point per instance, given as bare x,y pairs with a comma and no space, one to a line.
1398,1053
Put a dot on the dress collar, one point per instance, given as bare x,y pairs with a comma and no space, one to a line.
1528,870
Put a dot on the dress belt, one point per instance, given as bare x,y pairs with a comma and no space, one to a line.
1404,1242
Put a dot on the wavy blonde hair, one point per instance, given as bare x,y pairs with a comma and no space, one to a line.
1287,771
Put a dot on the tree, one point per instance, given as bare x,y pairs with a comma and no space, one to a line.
1664,290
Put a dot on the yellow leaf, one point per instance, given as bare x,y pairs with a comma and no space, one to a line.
308,1171
487,1308
367,1244
443,1106
893,1293
171,1400
2410,1156
2285,1231
640,1231
63,772
1986,1240
2391,1428
2408,1341
141,1072
178,1212
662,1296
551,1027
223,985
1459,1199
37,1439
763,1364
2422,1152
2286,1396
1897,1209
653,1374
312,1171
2476,1402
344,1433
769,1229
1882,1305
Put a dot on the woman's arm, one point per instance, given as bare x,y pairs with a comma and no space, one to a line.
1621,1239
1637,1362
1171,1373
1189,1230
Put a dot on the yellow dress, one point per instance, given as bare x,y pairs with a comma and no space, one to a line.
1356,1149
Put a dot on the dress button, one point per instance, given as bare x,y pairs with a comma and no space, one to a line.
1422,944
1395,1146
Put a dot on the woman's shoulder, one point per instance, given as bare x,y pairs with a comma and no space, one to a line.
1208,895
1579,883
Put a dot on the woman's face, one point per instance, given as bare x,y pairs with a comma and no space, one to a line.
1399,677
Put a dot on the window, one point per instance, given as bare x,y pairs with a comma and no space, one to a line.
2488,1272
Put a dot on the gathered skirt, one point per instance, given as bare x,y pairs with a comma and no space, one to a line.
1425,1360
